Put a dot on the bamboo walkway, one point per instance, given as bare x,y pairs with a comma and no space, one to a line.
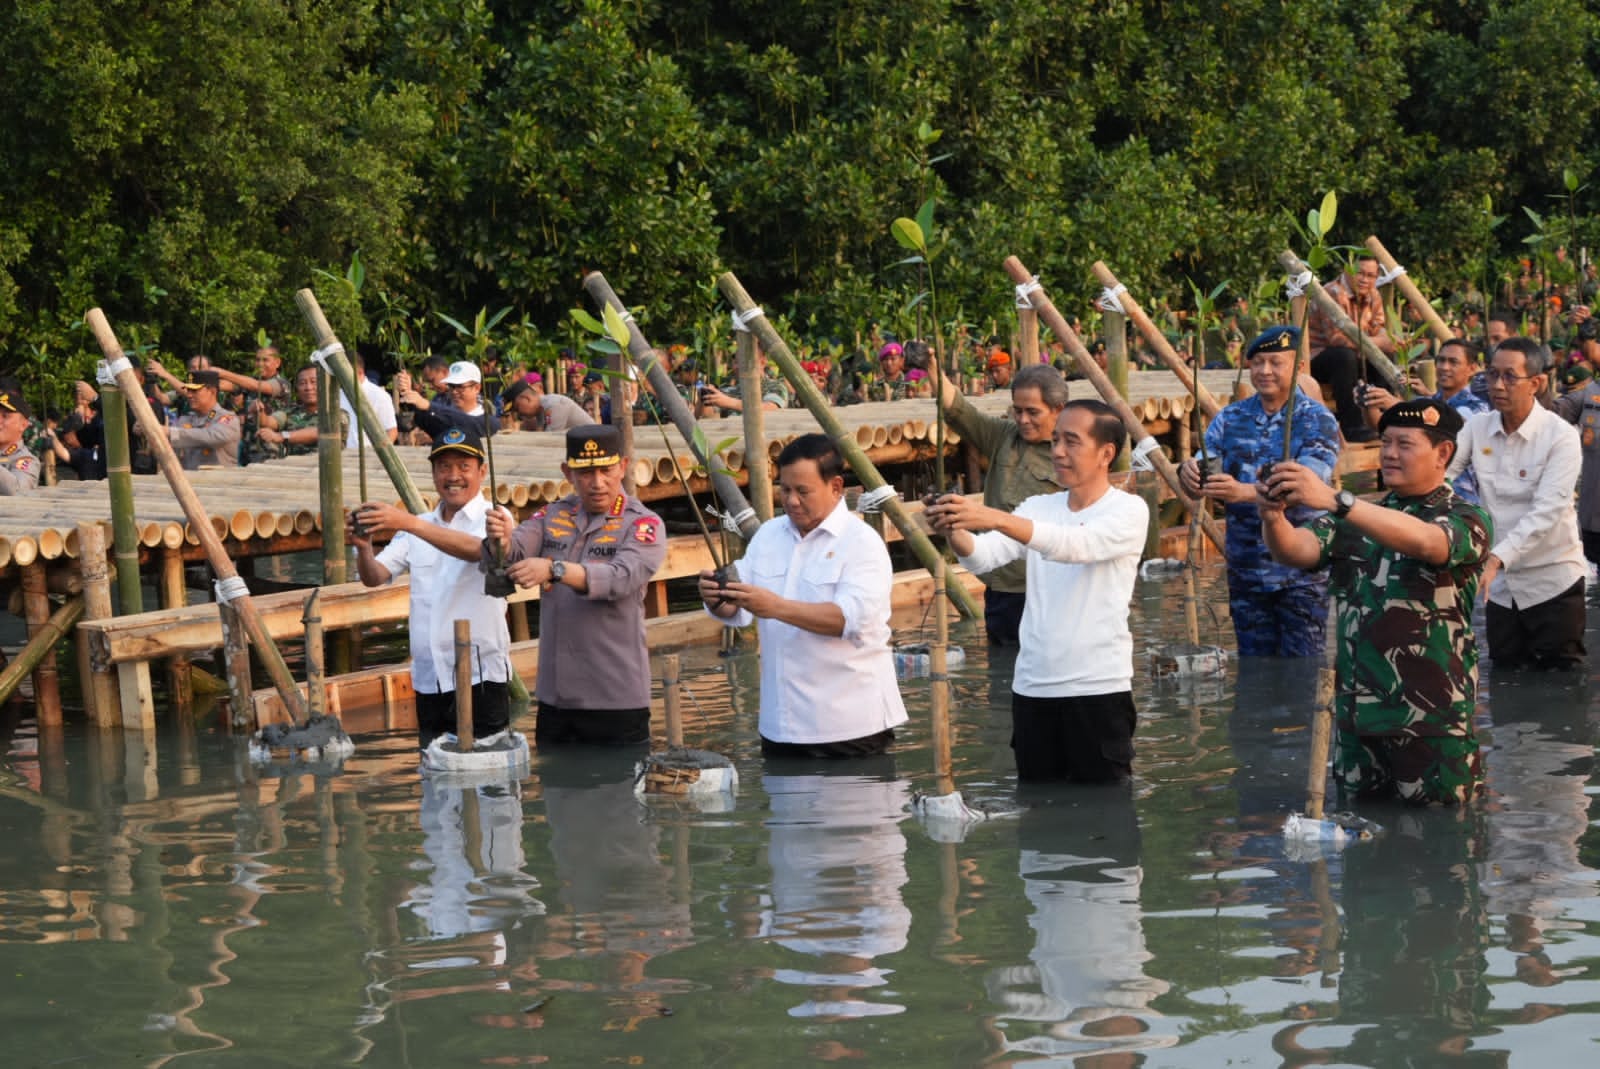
271,508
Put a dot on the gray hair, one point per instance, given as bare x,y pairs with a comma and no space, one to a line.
1535,354
1047,380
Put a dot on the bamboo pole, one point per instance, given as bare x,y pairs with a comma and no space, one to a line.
119,480
751,372
672,403
99,686
464,738
41,644
1321,740
1330,307
46,677
236,656
622,416
1156,339
334,363
1027,336
175,595
939,679
1436,324
227,576
1136,431
670,699
778,351
316,680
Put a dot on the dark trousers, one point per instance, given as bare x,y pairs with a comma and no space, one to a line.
591,727
1339,369
1002,615
1546,635
491,712
865,746
1087,739
1591,546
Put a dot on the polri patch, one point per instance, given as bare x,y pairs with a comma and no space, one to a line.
644,530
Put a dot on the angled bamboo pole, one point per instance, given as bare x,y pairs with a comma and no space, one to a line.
340,368
1057,323
228,582
1158,341
40,645
1330,307
644,358
1436,324
330,481
778,351
756,461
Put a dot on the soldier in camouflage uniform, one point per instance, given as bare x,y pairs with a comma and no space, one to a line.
1277,611
1405,575
292,429
891,384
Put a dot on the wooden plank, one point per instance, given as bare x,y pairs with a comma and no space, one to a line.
138,703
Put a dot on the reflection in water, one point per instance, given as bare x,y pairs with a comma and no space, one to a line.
1086,992
473,838
838,863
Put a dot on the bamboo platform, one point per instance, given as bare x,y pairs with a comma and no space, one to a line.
271,508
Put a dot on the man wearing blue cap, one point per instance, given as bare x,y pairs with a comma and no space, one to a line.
440,549
1405,574
1278,611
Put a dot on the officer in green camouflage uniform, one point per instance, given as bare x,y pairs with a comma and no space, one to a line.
1404,574
292,429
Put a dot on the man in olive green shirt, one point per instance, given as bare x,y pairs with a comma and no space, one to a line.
1017,454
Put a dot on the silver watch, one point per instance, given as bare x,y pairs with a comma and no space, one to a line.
558,570
1343,502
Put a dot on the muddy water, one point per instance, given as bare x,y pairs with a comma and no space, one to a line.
171,902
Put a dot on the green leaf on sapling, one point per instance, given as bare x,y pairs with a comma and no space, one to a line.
587,321
1330,210
616,326
908,234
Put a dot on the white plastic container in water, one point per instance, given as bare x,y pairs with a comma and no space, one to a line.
1186,661
505,754
917,660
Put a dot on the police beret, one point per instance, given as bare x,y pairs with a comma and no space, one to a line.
456,440
1274,340
599,445
1440,420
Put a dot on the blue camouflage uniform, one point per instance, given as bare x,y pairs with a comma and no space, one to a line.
1278,611
1467,403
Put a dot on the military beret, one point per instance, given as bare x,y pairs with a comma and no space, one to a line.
598,445
1441,421
1274,340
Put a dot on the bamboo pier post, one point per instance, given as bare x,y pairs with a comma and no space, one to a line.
1058,325
463,635
1321,741
334,362
1436,324
939,678
330,499
236,657
119,480
1330,307
1158,341
36,610
229,585
671,699
175,595
1027,335
1114,325
672,403
41,644
316,678
756,461
927,554
99,686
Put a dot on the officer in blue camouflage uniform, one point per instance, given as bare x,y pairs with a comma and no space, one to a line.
1277,611
1405,575
1458,362
19,468
1582,407
592,553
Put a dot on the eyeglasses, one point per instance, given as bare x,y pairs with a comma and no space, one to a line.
1510,378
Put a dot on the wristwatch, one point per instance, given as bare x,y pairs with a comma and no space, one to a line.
558,570
1344,501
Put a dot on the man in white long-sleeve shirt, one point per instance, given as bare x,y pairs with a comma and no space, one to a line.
1527,460
1072,712
817,580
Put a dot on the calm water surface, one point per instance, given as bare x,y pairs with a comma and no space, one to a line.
170,906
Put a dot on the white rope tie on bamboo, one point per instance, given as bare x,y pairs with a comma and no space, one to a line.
1296,285
736,522
107,373
1141,454
229,590
1389,276
1110,299
1026,288
320,356
742,320
873,500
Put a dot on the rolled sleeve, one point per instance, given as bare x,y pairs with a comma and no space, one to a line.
863,597
981,429
526,541
626,574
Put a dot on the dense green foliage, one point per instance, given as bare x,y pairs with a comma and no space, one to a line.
188,165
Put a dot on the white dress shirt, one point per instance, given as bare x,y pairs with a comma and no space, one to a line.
822,688
382,406
1074,640
445,589
1526,479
